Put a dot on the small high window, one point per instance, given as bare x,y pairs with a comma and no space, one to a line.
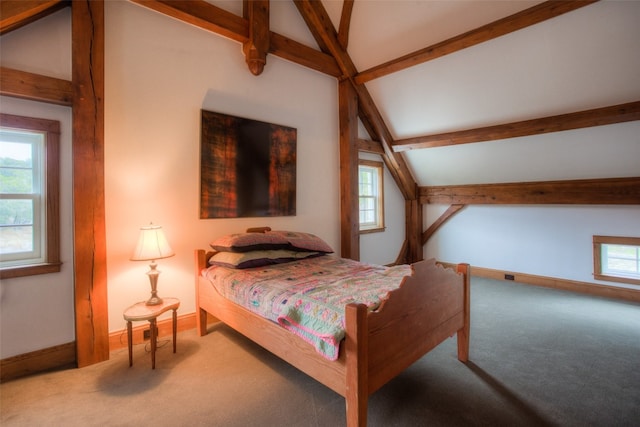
617,259
29,174
371,196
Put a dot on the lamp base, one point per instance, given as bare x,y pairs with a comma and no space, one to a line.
153,281
154,300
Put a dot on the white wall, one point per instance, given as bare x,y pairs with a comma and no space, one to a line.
552,241
38,311
159,74
384,247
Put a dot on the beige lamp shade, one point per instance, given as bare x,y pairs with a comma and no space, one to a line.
152,244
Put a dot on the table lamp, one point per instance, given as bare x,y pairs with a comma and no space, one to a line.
152,245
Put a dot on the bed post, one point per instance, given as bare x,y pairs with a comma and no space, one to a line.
200,259
357,364
463,334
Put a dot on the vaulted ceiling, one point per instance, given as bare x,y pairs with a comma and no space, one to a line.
466,101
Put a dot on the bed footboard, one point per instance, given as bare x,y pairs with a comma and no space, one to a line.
429,307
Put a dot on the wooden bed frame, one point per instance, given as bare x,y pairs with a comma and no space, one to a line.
428,308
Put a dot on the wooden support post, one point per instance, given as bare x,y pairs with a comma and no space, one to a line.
413,231
350,223
90,259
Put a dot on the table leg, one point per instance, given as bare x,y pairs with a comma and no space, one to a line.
130,342
154,342
175,329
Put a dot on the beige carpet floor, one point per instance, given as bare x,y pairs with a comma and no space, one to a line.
538,357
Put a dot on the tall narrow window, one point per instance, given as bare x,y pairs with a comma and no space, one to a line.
617,259
29,218
371,200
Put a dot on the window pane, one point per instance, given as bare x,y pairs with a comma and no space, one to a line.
370,192
16,168
620,260
16,212
16,239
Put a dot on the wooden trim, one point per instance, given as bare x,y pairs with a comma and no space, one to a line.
594,289
51,175
450,212
38,361
515,22
35,87
598,241
16,14
89,237
607,191
118,339
596,117
379,166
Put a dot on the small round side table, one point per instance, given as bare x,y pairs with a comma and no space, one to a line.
141,311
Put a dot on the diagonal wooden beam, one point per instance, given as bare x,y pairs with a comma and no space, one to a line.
607,191
321,27
212,18
345,23
581,119
518,21
15,14
446,216
203,15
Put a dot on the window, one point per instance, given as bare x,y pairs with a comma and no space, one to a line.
617,259
371,201
29,218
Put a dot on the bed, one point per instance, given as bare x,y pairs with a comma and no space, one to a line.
429,306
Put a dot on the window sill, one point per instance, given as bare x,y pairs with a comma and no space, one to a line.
617,279
372,230
29,270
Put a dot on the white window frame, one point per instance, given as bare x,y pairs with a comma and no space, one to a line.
376,169
601,255
43,136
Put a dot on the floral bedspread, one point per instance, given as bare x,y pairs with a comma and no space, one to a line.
309,296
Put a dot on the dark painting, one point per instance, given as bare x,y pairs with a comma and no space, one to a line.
247,168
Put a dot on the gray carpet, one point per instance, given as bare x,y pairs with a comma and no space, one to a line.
539,357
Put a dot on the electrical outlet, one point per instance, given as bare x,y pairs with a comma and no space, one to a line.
146,334
509,277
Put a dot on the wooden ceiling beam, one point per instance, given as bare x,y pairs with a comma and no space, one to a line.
203,15
256,12
35,87
212,18
15,14
369,146
518,21
596,117
606,191
321,27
